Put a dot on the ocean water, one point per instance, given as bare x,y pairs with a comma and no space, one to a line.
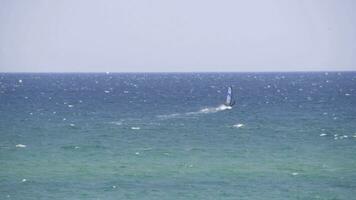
165,136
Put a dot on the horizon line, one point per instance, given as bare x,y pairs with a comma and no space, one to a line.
167,72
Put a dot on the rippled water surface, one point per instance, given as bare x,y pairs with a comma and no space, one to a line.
166,136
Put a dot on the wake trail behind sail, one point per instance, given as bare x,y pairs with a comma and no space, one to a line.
200,112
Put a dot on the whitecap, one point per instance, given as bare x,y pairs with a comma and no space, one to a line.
323,134
295,173
21,146
238,125
116,123
135,128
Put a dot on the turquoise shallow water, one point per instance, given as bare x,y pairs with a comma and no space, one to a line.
162,136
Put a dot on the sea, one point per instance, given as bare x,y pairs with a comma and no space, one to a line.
109,136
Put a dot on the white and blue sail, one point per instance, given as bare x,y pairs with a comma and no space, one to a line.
229,98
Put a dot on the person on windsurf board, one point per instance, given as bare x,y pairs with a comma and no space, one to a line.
229,98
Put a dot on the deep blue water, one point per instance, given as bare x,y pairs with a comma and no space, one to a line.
164,136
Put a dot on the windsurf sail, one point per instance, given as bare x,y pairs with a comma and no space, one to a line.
229,98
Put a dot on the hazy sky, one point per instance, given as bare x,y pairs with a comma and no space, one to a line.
177,35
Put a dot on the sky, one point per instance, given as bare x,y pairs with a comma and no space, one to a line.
177,35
